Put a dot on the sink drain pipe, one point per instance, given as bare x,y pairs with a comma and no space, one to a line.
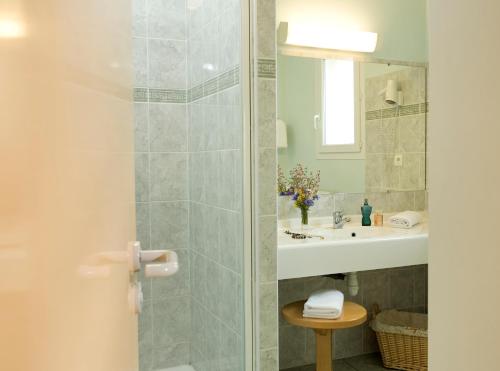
352,283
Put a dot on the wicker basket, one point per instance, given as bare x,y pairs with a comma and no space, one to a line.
402,339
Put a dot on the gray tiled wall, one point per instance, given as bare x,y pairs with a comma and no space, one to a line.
396,130
264,81
161,145
188,180
188,141
351,203
401,288
215,185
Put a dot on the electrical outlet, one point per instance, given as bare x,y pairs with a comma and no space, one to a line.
398,159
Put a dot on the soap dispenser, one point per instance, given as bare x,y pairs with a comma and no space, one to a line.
366,211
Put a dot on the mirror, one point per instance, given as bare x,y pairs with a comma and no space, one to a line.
362,124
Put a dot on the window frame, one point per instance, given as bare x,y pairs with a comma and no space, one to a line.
340,151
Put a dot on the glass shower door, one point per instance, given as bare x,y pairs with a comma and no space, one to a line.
190,187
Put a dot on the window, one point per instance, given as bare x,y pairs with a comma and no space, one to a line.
340,133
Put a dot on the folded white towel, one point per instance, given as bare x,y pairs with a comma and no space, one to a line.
321,316
321,311
325,299
406,219
324,304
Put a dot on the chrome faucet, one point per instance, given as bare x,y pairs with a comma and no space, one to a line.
339,220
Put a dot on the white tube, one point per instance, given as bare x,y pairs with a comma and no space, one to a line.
391,92
352,283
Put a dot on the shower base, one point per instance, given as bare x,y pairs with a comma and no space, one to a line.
179,368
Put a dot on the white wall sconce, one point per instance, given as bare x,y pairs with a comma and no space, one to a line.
281,136
326,37
392,93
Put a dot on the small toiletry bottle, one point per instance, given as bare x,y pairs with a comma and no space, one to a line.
366,211
379,218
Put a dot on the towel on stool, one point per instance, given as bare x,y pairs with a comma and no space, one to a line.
406,219
325,304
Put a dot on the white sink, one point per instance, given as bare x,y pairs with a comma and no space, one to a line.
350,249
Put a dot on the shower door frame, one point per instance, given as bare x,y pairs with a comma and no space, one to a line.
249,256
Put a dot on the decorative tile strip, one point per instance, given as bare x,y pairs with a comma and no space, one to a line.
408,110
412,109
210,87
195,93
215,85
226,80
140,94
389,112
167,95
372,115
237,75
266,68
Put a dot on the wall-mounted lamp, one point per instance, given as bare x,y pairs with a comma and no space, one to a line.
326,37
392,93
281,137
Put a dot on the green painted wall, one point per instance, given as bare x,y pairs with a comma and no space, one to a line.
297,107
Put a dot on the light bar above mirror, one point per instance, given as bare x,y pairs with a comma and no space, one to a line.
326,37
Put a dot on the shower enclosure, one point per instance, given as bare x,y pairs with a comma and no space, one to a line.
101,96
189,136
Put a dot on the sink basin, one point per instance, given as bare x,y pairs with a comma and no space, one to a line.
350,249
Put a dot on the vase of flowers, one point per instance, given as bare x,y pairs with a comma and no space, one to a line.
304,186
283,184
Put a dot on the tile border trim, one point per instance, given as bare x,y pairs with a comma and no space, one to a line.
266,68
405,110
219,83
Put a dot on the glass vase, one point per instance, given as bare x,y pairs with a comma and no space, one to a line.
305,216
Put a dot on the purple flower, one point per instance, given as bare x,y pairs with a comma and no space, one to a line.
295,196
309,202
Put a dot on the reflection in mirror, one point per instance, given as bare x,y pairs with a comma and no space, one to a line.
362,124
358,115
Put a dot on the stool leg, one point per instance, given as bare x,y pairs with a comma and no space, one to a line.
323,350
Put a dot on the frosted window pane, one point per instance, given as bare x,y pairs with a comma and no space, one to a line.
339,102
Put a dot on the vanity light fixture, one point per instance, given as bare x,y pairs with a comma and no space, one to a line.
326,37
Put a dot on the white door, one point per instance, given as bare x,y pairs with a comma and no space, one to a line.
66,185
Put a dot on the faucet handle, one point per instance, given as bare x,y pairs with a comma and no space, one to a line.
338,215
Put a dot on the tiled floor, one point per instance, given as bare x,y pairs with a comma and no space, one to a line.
368,362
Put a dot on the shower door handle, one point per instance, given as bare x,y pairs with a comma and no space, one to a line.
162,263
164,266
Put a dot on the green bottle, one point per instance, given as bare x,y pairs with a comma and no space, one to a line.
366,211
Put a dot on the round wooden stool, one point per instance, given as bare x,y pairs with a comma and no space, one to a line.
352,315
